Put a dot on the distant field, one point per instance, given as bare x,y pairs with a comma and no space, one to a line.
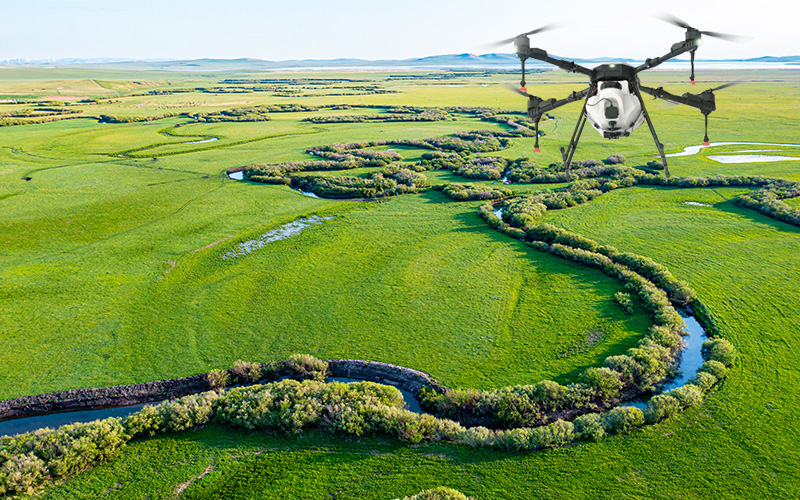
111,272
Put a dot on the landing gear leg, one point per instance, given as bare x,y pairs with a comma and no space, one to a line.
573,144
652,131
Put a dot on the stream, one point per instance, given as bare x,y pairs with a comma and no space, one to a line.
736,156
691,360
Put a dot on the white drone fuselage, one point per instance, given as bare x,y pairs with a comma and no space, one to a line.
614,111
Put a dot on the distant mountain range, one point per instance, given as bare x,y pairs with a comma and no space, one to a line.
453,61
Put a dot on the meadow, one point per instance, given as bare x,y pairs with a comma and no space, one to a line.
111,271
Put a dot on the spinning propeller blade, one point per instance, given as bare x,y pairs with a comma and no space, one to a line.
726,85
519,91
669,18
547,27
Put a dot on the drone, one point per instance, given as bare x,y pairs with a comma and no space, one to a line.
613,101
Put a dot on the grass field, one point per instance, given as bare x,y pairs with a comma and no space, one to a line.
111,272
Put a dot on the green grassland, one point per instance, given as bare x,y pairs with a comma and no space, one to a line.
111,272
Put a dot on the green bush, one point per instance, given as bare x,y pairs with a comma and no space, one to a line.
28,460
516,408
556,434
218,379
689,395
628,368
604,381
703,380
660,407
467,192
715,368
246,371
622,419
308,366
589,427
624,301
719,350
439,493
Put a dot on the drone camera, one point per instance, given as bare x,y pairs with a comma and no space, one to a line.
612,112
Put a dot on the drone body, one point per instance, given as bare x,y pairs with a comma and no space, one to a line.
613,101
614,111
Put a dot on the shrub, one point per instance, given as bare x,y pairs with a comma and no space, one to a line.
439,493
715,368
553,435
22,473
719,350
622,419
246,371
523,212
703,380
614,160
688,395
589,426
629,370
218,379
624,301
460,403
516,408
466,192
660,407
547,393
604,382
307,366
30,459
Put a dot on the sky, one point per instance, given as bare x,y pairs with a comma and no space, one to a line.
331,29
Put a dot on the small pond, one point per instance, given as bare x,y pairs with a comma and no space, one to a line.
285,231
211,139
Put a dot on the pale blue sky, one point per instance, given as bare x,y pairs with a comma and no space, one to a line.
306,29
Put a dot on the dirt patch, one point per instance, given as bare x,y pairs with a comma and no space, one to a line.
181,487
212,244
172,265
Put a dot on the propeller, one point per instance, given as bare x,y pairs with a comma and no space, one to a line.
546,27
726,85
669,18
518,90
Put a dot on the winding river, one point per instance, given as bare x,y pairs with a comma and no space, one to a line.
691,360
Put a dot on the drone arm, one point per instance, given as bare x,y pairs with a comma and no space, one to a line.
537,108
676,50
542,55
705,105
